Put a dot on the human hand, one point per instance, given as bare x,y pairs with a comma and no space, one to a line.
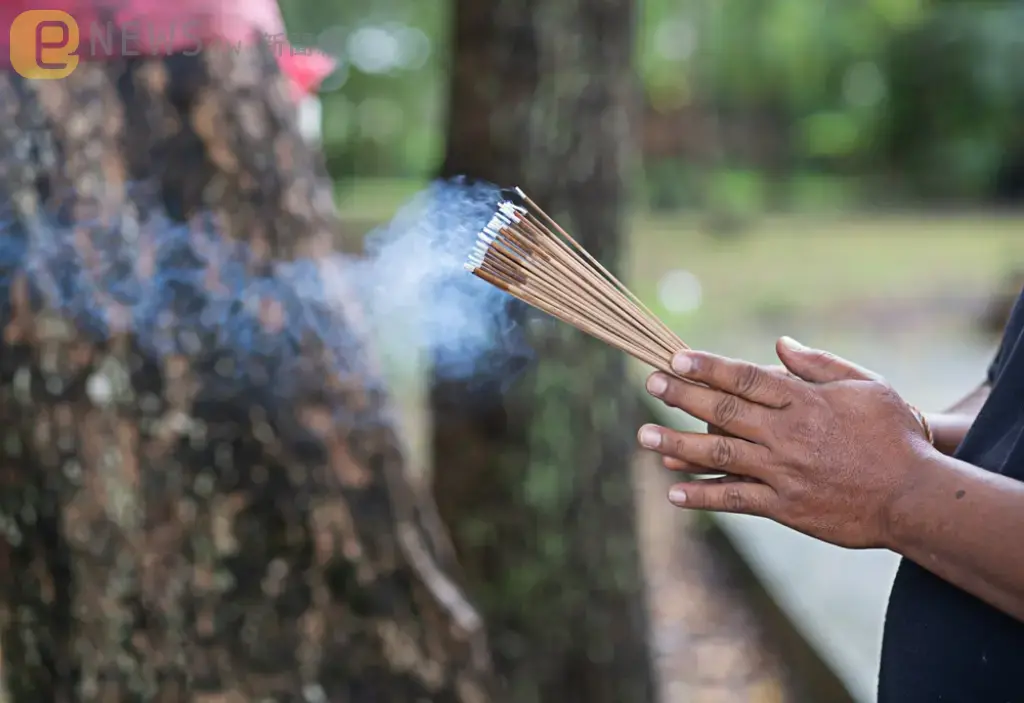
680,465
826,450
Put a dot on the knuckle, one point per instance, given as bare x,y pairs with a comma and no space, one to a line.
750,379
726,410
802,427
795,491
732,499
721,453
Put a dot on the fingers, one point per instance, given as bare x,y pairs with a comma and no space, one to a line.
743,379
718,454
706,474
816,366
685,467
728,414
725,496
726,479
673,464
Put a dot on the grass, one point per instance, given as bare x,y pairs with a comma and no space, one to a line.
811,266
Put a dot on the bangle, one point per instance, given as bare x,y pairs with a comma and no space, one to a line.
924,425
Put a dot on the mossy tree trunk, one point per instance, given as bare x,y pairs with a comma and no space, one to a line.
534,483
197,511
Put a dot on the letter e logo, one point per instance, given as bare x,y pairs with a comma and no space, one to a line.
43,44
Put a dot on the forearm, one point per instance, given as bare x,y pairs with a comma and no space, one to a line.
954,520
950,427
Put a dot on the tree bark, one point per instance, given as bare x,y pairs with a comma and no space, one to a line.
206,502
534,484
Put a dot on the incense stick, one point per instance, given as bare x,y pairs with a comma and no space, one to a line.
525,253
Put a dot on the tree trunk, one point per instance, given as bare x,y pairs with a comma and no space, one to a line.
203,497
535,484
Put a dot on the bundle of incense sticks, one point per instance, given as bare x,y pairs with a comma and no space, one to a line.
525,253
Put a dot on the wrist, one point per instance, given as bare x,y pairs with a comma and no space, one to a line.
908,510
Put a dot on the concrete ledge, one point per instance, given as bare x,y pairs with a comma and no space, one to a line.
814,677
835,598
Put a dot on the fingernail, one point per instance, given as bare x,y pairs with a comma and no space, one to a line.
650,437
657,385
682,364
677,496
792,344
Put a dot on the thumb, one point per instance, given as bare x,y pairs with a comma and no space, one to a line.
817,366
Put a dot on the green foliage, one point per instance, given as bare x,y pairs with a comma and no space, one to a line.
737,193
923,88
385,122
949,126
670,184
815,192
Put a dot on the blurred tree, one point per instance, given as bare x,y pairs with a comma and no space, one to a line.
216,522
535,483
832,94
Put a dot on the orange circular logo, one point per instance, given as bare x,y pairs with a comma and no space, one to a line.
43,44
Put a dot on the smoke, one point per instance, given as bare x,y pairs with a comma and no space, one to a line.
185,288
414,283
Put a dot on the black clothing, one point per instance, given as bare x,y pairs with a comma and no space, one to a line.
940,643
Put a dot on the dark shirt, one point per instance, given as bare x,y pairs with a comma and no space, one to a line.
940,643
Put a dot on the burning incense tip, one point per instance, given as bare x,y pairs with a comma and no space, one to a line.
509,213
524,252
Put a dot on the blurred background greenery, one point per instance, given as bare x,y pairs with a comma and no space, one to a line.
748,105
882,138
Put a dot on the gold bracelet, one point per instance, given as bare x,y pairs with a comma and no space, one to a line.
924,425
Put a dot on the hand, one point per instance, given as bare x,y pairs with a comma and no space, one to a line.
826,450
680,465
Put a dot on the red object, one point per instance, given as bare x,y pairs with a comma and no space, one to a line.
305,71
